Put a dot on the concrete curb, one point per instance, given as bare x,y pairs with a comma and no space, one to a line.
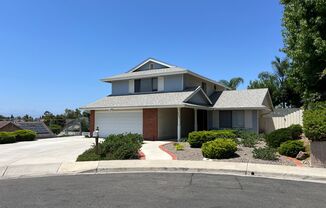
210,167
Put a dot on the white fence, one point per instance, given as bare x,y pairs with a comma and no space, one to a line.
281,118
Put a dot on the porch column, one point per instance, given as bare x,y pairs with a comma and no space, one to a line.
195,120
179,124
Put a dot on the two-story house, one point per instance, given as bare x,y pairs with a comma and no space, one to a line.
163,101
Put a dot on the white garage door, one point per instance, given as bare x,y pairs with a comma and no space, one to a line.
117,122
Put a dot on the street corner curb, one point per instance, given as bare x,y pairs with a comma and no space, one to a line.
78,167
174,157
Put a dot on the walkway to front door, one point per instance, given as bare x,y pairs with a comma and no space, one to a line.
152,151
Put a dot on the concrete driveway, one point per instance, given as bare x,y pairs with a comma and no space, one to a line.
52,150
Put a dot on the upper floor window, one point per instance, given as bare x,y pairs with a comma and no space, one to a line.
151,66
204,86
154,84
137,85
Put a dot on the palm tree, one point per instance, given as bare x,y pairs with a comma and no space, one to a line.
281,67
233,83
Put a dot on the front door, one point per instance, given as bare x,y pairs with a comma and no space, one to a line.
202,120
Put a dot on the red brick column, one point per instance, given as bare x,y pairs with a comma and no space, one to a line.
92,122
150,124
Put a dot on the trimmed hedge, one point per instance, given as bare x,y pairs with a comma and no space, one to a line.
277,137
25,135
219,148
291,148
314,122
296,131
7,137
197,138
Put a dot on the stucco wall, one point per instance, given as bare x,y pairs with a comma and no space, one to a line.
167,123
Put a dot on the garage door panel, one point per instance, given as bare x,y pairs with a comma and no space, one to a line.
116,122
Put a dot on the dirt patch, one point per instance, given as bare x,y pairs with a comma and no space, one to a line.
243,154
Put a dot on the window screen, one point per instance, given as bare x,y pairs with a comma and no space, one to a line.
154,84
137,85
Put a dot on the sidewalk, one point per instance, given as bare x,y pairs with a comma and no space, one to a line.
152,150
120,166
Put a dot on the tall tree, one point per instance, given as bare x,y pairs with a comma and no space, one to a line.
304,34
233,83
281,68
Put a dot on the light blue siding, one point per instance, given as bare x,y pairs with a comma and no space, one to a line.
120,87
173,83
147,65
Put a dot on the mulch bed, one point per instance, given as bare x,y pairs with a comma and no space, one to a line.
244,154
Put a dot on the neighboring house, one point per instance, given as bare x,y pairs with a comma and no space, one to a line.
42,131
163,101
8,126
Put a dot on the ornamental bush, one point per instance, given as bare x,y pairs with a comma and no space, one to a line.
291,148
277,137
296,131
264,153
122,146
7,137
314,122
197,138
219,148
25,135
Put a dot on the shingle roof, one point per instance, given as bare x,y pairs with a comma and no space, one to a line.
39,127
4,123
237,99
146,73
142,100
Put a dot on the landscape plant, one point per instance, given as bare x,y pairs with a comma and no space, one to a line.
277,137
197,138
7,137
25,135
265,153
219,148
291,148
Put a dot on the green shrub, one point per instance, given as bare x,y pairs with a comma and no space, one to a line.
265,153
115,147
314,122
7,137
90,155
291,148
122,146
178,146
56,129
197,138
219,148
248,138
296,131
25,135
277,137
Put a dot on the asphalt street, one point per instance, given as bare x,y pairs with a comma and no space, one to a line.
159,190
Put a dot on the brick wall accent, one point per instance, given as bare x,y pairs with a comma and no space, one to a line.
92,122
150,124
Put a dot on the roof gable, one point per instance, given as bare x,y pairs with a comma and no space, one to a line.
198,97
150,64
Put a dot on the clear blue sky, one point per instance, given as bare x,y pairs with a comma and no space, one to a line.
53,53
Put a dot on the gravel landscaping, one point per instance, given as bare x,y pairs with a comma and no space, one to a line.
243,154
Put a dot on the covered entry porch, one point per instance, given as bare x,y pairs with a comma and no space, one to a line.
173,123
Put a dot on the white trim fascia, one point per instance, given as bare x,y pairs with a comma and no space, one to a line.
198,89
148,60
132,76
